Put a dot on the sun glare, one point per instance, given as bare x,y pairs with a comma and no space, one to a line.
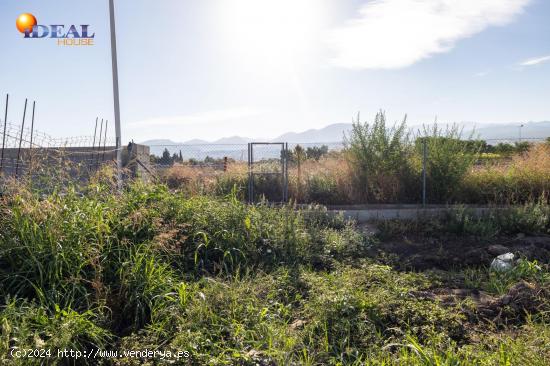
272,33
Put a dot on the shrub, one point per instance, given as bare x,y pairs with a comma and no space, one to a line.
448,161
380,157
530,218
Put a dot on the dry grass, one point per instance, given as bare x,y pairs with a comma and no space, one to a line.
331,180
193,180
526,177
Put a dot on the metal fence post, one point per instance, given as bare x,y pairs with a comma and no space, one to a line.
283,152
4,135
91,159
105,140
249,174
424,158
20,140
95,132
286,172
98,146
30,142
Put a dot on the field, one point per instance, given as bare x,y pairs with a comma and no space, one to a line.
385,164
332,180
237,284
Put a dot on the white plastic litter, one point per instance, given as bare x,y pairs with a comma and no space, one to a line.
503,262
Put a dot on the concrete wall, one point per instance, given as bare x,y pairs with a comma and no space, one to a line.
366,213
86,158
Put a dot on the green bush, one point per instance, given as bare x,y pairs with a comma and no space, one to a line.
380,157
448,160
388,165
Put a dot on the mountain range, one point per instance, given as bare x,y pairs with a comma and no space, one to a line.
334,133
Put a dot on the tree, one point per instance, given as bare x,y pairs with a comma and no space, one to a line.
316,152
522,147
166,159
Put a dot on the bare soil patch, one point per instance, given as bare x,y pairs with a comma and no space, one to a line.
449,253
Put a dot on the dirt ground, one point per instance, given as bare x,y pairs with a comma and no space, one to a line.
448,253
447,256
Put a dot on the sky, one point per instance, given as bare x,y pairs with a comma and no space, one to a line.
259,68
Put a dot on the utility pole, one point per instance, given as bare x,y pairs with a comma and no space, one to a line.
520,127
114,62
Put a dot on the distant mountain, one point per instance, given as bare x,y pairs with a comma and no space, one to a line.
195,142
233,140
330,133
158,142
334,134
511,131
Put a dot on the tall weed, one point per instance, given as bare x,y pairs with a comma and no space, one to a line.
380,157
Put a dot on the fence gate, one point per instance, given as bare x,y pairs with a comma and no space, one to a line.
268,171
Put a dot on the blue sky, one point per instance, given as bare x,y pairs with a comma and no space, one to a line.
259,68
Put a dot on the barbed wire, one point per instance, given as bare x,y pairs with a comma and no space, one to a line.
14,135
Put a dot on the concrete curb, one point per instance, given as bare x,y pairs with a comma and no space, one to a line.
407,213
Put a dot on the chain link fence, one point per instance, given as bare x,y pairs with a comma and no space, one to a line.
321,172
27,152
302,172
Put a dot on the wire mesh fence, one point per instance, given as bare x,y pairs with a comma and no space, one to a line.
27,137
213,155
28,152
423,169
323,172
303,172
201,166
35,155
164,156
24,151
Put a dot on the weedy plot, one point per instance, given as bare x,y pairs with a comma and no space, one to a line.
254,284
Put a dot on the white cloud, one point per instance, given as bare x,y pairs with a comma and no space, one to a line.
482,73
224,115
535,61
390,34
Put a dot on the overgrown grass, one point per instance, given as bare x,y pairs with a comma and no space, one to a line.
228,282
382,164
499,283
525,178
